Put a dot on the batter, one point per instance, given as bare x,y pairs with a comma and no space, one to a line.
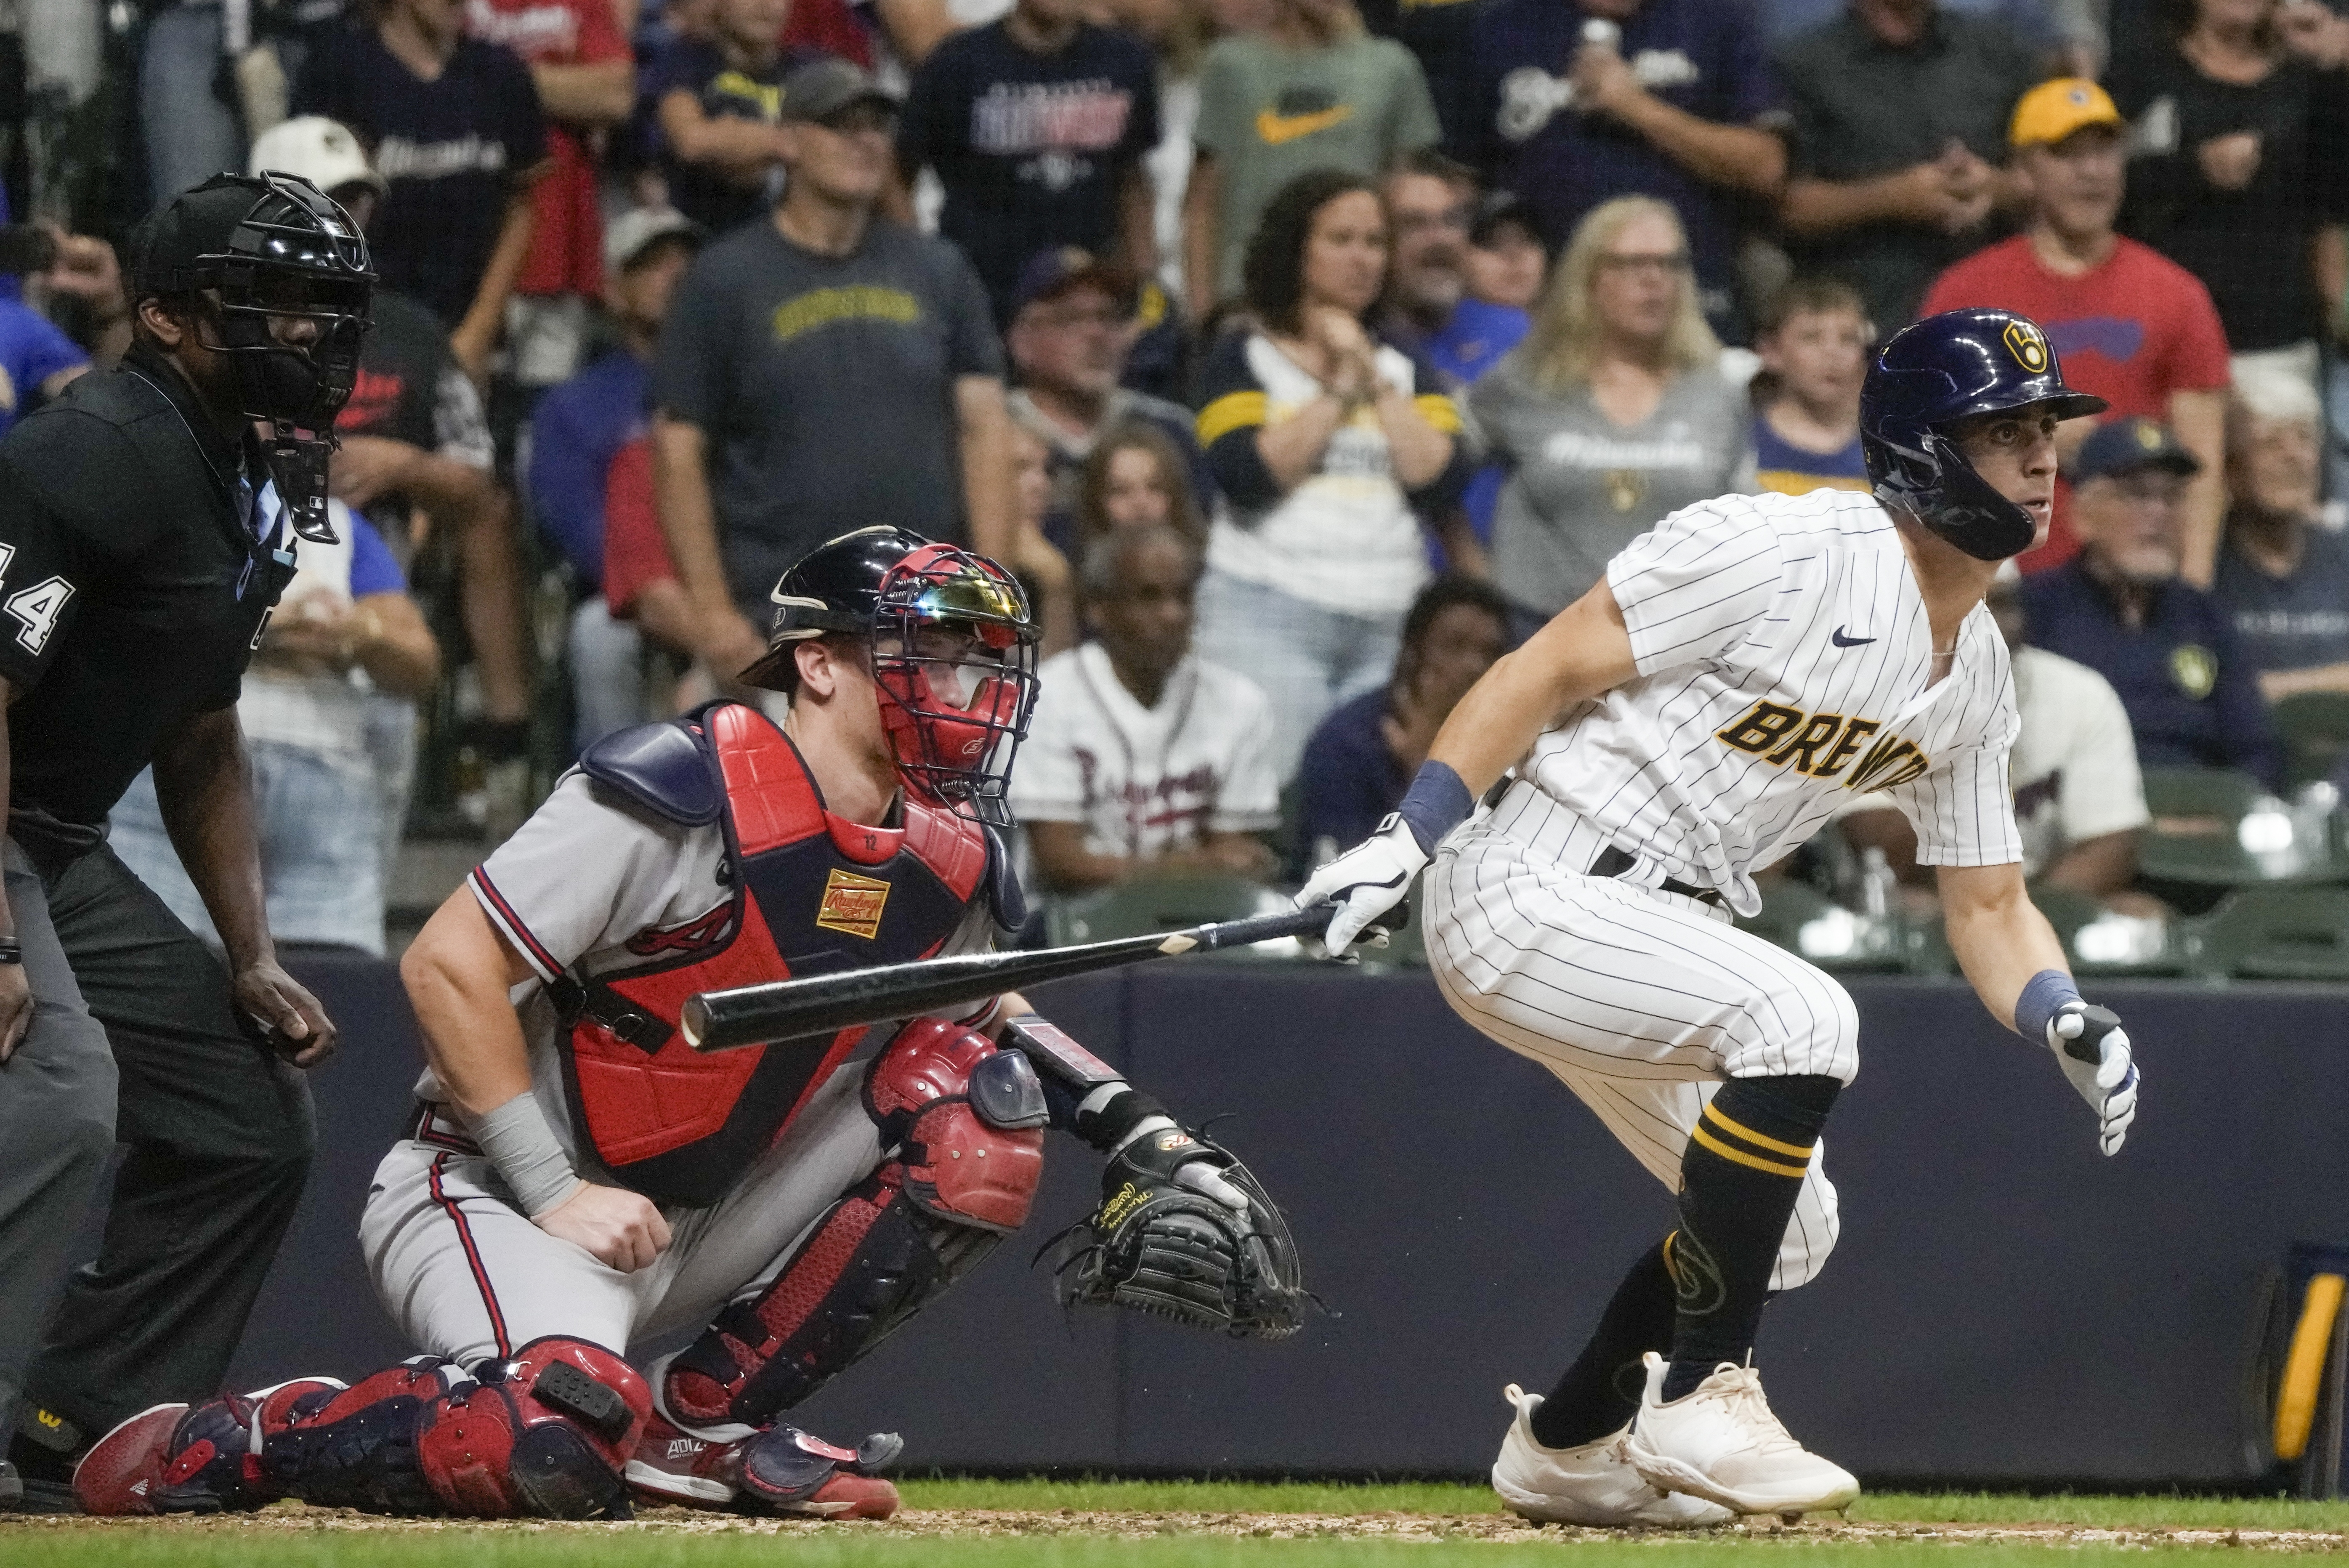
1743,668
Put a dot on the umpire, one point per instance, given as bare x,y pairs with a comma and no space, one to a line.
138,566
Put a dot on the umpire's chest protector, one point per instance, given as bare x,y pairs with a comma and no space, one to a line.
812,893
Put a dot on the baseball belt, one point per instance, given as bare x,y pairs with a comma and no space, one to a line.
1613,862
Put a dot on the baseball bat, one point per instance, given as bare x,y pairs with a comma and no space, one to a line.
824,1004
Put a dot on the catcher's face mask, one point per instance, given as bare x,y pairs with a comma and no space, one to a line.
953,660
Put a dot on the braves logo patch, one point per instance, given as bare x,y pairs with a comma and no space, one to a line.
853,904
698,933
2028,345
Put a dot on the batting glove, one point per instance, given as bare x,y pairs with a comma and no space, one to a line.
1368,880
2094,1052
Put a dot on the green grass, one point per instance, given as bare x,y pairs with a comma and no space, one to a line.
1087,1495
2095,1512
290,1541
509,1548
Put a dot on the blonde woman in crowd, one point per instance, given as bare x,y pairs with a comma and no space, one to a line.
1612,414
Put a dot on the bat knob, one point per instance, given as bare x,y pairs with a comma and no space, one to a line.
693,1019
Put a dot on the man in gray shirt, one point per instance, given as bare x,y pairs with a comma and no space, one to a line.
823,372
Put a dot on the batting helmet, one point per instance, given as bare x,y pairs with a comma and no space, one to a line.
1934,373
954,654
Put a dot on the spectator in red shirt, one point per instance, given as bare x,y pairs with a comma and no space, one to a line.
585,77
2130,325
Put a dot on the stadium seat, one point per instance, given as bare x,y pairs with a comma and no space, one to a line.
2274,933
1157,904
2315,730
2071,913
2198,833
1804,921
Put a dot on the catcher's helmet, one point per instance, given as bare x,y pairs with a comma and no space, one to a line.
1934,373
954,654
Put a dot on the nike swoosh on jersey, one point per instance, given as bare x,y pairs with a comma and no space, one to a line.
1276,129
1840,640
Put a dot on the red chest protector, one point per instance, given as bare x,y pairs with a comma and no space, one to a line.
812,893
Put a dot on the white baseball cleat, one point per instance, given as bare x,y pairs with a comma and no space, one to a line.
1587,1484
1721,1442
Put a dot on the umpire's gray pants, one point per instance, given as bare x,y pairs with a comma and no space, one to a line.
57,1128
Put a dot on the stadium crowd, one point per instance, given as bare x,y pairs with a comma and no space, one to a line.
1299,358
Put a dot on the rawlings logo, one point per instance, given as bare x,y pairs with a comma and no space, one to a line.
853,904
1113,1213
1168,1142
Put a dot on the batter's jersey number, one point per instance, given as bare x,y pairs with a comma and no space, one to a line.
34,610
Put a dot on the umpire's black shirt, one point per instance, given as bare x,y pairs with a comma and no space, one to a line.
132,589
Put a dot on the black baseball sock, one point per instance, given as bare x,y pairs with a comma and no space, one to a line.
1739,1179
1600,1391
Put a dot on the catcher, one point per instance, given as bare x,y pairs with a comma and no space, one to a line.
577,1178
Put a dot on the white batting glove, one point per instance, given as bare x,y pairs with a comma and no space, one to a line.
2094,1052
1369,880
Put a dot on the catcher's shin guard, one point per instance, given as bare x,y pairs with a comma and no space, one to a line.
543,1434
967,1122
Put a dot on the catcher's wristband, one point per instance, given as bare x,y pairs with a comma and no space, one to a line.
521,1144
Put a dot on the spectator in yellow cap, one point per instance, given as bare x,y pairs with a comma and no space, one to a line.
2130,326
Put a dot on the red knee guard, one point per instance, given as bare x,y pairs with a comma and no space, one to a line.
547,1434
957,1166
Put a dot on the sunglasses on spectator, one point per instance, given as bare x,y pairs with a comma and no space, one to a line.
1668,262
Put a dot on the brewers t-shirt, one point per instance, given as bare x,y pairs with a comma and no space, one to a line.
1786,468
453,149
725,92
1032,149
1704,57
825,388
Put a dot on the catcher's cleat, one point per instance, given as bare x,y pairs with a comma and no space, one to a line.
778,1470
206,1458
1592,1483
1722,1443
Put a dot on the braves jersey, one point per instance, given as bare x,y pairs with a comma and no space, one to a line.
1784,662
591,886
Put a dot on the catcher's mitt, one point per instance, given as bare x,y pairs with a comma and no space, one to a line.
1185,1232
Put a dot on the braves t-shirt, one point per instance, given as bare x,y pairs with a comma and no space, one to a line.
1703,56
1032,149
2133,331
453,149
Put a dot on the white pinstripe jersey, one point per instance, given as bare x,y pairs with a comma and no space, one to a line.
1784,655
